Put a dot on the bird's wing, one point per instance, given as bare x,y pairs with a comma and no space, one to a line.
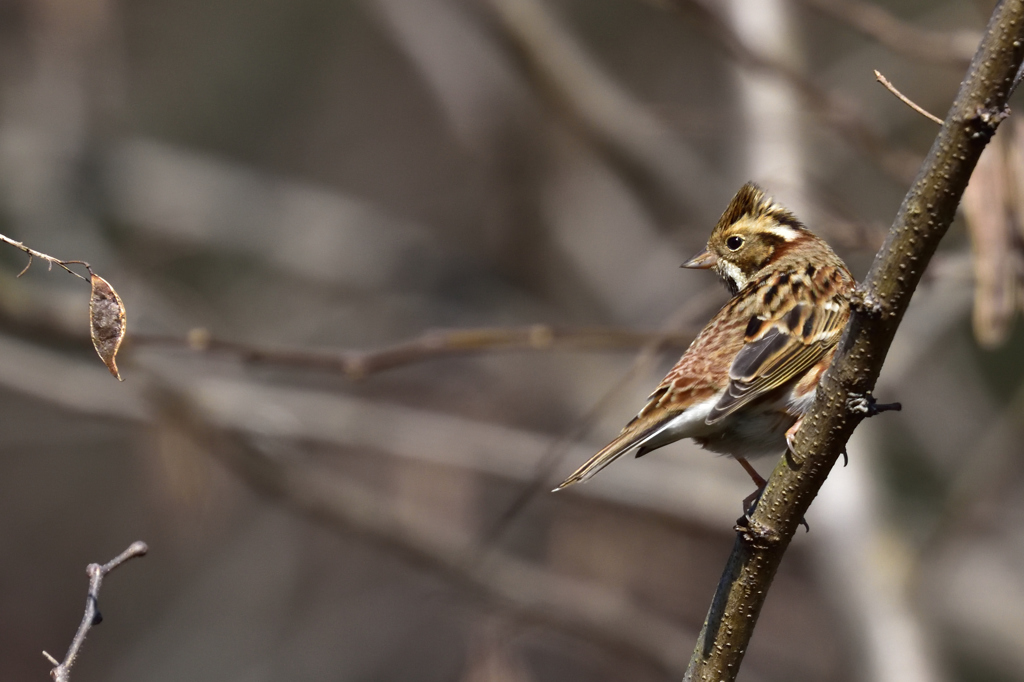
780,349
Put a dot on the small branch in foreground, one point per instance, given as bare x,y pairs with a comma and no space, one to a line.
906,100
356,364
62,669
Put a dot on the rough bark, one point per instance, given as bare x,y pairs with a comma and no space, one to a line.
880,302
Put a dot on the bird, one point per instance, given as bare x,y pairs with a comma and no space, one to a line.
743,385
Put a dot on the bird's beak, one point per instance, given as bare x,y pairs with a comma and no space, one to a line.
702,261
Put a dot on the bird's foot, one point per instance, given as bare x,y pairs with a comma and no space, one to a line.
869,407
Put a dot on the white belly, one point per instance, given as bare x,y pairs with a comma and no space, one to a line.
753,431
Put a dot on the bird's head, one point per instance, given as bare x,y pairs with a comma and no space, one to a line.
753,235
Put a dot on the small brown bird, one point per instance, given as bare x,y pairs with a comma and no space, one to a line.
745,382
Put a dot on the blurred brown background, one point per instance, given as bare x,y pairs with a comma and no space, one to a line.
304,176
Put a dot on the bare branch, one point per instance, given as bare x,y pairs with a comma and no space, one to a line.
49,259
953,47
906,100
62,670
357,364
879,306
433,345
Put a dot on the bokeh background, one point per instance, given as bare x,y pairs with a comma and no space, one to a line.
274,186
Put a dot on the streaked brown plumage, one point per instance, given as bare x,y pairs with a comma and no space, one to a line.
751,374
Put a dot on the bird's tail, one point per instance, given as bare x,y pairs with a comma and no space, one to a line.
628,439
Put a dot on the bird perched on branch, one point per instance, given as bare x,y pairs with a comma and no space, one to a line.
745,382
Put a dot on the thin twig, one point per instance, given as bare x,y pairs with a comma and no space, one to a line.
879,305
906,100
49,259
357,364
62,670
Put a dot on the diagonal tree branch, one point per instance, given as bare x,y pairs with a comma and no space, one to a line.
844,396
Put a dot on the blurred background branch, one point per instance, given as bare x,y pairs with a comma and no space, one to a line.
432,345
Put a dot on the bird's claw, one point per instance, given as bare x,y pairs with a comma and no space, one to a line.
869,407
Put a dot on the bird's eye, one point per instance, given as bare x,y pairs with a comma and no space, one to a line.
734,242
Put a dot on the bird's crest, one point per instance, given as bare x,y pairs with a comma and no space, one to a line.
751,201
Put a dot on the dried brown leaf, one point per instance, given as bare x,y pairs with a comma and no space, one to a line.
107,320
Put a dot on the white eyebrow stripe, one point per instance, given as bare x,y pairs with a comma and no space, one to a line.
783,231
